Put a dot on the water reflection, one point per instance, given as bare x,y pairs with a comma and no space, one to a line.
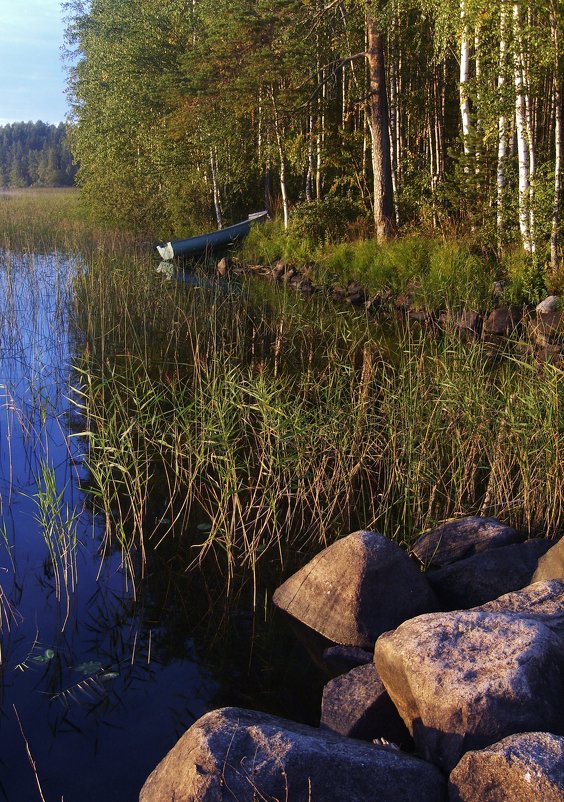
84,679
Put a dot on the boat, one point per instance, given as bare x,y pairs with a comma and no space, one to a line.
215,240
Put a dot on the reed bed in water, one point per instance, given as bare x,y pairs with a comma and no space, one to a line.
249,430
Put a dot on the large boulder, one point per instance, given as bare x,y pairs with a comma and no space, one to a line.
541,601
487,575
551,564
339,660
549,305
465,680
356,589
357,705
528,767
235,754
461,538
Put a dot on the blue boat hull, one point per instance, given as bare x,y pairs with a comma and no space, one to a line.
195,246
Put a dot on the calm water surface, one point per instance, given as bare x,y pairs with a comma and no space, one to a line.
90,680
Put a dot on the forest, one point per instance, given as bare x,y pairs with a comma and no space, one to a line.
441,116
35,154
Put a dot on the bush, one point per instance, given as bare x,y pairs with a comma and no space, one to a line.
324,221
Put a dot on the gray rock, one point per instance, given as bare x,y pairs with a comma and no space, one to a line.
551,564
357,588
341,659
521,768
234,754
465,680
485,576
357,705
548,305
462,538
548,329
541,601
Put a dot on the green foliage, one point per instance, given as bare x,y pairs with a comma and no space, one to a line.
524,276
324,221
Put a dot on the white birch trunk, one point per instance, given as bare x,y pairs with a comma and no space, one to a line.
479,124
557,141
521,128
215,185
501,124
282,158
464,77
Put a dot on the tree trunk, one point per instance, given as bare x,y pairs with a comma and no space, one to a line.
379,129
463,84
501,124
521,126
215,184
557,91
282,157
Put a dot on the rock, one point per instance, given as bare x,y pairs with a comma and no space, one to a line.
458,539
465,680
234,754
376,303
485,576
340,659
502,321
547,329
551,564
551,304
224,266
278,270
357,588
338,292
542,601
520,768
468,321
355,294
289,274
420,316
357,705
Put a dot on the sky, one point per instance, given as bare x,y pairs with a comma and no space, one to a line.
32,75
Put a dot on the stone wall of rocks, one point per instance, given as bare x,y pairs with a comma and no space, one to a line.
447,683
539,330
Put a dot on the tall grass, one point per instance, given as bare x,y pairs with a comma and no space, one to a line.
248,432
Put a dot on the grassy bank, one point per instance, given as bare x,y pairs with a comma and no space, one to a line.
434,273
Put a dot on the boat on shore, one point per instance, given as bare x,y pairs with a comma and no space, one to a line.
215,240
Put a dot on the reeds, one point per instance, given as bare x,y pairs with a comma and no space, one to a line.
249,431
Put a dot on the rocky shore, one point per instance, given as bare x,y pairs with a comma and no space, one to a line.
538,330
447,669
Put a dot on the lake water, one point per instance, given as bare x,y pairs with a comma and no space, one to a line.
98,679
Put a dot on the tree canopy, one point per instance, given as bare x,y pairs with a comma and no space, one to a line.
35,154
414,113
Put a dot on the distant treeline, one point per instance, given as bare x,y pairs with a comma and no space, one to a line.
35,154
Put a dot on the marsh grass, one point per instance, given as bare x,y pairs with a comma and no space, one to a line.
250,432
239,424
